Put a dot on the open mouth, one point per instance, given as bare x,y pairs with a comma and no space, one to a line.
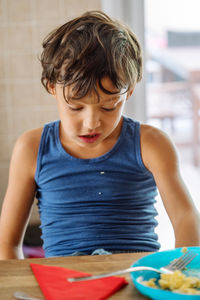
89,138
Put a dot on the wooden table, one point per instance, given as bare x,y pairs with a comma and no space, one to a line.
17,275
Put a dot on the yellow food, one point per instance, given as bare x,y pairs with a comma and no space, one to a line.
176,282
151,283
184,250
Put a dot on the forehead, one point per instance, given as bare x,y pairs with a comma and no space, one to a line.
106,92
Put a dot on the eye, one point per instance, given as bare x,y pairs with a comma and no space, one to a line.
75,108
108,109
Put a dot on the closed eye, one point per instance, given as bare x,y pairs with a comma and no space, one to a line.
75,108
108,109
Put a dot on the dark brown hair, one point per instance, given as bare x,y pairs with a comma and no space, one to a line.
86,49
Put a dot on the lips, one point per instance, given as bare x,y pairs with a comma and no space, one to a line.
89,138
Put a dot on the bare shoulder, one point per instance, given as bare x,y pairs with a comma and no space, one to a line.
30,138
158,150
151,134
26,149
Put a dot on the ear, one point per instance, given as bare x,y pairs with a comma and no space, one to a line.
52,89
130,92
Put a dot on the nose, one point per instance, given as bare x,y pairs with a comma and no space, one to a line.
91,119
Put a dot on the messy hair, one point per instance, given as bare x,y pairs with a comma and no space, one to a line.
86,49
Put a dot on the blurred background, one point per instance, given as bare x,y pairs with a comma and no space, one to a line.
168,96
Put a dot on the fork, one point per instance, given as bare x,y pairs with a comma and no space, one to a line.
23,296
176,264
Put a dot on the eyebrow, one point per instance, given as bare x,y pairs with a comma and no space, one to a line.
113,98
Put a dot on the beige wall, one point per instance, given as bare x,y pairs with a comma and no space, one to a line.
24,104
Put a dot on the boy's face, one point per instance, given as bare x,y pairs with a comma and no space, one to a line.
89,122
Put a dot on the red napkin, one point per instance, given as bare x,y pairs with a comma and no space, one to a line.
54,285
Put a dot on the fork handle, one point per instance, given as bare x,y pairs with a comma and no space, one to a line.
23,296
120,272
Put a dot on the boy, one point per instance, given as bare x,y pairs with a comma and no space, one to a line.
94,171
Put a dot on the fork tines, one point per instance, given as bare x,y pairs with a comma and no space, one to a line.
183,261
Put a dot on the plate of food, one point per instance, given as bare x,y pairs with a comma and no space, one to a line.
183,285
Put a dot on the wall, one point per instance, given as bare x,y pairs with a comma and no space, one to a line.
24,104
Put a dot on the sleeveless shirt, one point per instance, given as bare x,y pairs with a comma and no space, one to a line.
105,202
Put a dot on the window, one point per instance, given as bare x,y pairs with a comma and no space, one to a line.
172,35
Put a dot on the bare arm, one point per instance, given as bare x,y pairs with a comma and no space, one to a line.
159,156
19,195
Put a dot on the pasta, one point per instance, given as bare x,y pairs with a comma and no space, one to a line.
176,282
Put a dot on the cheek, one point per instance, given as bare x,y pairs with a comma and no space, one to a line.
113,120
72,121
120,111
69,121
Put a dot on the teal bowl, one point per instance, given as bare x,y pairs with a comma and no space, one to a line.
158,260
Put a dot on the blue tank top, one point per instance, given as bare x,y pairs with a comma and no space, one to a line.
105,202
